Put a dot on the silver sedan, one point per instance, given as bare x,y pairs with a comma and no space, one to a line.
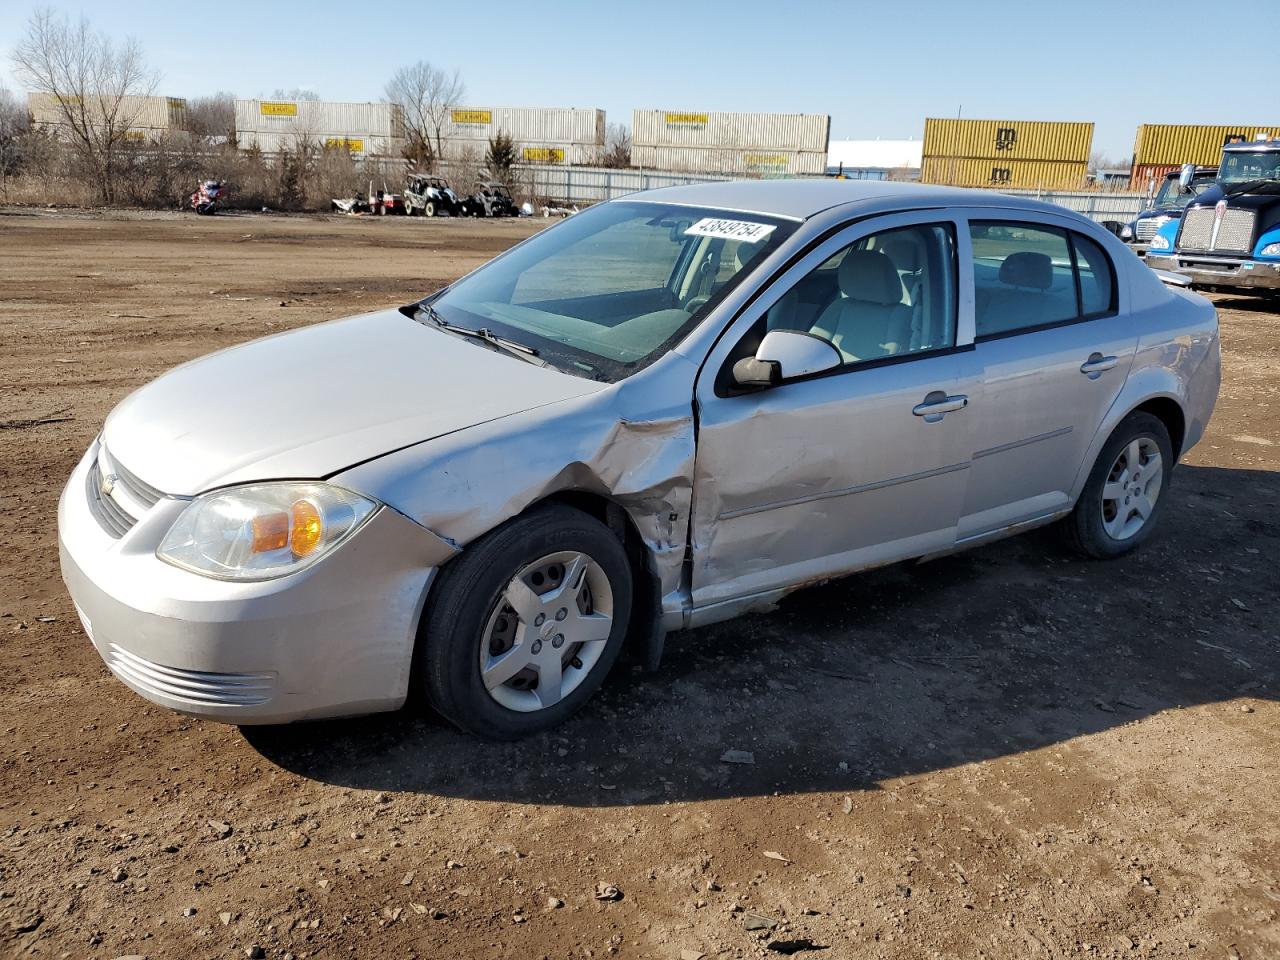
663,412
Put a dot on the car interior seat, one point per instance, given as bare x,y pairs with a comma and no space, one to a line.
905,249
868,319
1020,299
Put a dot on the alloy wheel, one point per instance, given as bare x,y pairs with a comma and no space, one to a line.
1132,487
548,629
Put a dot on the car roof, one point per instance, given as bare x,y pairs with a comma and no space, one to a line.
802,199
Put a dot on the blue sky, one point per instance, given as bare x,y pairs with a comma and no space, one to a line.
877,68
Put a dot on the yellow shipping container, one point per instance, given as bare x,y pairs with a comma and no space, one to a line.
998,174
1008,139
1177,143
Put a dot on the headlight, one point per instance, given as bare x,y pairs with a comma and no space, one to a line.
264,530
1270,250
1160,243
1126,232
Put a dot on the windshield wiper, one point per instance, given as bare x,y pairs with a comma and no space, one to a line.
514,347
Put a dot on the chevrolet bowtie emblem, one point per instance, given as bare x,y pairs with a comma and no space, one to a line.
108,484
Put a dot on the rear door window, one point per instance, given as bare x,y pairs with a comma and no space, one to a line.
1030,276
1022,277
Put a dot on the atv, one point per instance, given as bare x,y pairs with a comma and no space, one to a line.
494,199
430,196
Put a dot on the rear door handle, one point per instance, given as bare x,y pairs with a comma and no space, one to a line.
1097,365
937,404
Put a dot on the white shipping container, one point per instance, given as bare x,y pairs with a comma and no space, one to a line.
141,114
573,135
745,131
319,118
535,124
359,145
552,152
734,161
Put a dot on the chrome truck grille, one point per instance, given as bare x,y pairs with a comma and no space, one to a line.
1148,228
116,497
1203,231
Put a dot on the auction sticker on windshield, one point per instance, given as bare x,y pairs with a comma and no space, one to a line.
743,230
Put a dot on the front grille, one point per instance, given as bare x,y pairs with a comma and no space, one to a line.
109,514
192,686
129,498
1202,231
1197,229
1235,233
1149,227
143,493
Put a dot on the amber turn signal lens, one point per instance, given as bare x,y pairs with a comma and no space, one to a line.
308,528
270,532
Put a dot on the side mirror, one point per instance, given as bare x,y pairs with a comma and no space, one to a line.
1186,176
785,355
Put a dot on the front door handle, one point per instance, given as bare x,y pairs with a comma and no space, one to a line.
1097,365
937,404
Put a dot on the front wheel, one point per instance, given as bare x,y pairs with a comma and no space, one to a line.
524,626
1121,500
429,209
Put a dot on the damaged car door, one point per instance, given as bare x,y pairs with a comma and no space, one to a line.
809,467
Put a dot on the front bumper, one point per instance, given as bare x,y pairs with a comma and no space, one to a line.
1208,270
336,638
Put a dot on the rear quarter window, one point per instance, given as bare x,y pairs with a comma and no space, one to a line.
1097,277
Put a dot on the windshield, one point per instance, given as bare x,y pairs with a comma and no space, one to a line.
611,289
1241,165
1171,196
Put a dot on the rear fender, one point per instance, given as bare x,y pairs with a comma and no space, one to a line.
1172,371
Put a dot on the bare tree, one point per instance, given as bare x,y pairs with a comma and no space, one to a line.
294,93
212,116
13,124
90,83
617,146
428,96
465,168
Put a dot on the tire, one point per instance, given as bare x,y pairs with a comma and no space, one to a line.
429,209
1104,527
471,625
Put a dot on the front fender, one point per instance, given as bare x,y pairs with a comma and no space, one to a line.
632,444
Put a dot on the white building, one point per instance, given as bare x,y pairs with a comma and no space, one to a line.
875,159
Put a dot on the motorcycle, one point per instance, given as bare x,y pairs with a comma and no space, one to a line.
209,197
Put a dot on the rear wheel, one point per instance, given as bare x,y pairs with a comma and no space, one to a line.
1121,500
524,626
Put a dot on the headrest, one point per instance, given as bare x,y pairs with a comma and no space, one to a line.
869,275
743,254
904,250
1027,269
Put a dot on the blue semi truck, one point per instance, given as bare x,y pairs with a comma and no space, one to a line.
1167,204
1229,236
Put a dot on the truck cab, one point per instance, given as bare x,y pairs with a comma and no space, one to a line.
1229,236
1165,206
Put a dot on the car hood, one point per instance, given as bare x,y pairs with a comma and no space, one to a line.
311,402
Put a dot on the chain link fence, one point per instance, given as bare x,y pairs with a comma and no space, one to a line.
579,186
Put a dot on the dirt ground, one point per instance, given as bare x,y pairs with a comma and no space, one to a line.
1009,753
